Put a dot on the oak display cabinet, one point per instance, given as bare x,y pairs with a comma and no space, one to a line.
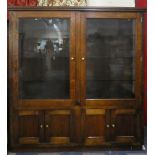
75,78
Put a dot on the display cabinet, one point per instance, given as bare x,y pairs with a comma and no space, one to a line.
75,78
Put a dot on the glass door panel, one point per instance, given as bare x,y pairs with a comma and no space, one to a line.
110,58
44,47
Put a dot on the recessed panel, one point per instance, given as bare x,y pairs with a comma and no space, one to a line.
125,125
95,123
28,127
59,126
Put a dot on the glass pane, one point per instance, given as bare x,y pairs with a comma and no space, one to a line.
110,58
44,58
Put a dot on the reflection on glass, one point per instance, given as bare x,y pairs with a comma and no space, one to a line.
110,58
44,58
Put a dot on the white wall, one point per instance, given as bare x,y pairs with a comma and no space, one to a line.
111,3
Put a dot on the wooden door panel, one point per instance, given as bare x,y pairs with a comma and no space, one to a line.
110,73
30,127
110,76
102,69
35,86
123,124
95,126
58,126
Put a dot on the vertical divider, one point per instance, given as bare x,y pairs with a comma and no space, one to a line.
77,107
78,55
46,120
72,56
139,60
83,55
42,122
83,74
112,131
108,123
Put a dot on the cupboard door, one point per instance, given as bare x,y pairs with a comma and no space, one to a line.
30,127
124,124
58,126
110,59
96,125
44,61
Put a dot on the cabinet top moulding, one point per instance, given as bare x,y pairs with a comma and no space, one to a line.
54,8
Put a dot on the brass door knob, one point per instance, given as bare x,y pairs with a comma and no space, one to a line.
46,125
108,126
41,126
82,58
113,125
72,58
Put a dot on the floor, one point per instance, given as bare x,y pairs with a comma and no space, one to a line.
143,152
87,153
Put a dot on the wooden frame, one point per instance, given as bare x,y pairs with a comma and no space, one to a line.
138,59
25,103
79,109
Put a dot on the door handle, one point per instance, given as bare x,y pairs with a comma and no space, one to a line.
72,58
108,126
113,125
78,102
83,58
41,126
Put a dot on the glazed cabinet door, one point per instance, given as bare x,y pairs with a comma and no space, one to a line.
43,58
125,126
29,127
111,59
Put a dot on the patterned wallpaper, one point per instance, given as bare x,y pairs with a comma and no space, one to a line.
47,2
61,2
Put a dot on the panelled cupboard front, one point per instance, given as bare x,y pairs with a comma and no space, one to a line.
75,77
